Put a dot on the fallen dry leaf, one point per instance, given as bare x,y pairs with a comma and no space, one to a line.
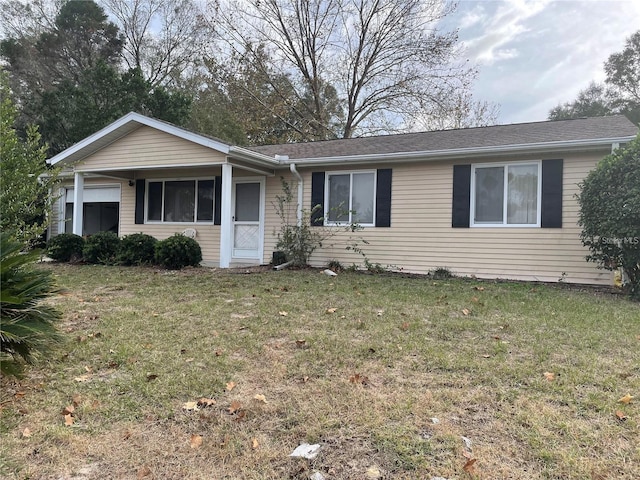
469,465
405,326
234,407
76,399
474,299
480,289
620,415
301,343
283,313
68,409
196,441
254,443
144,472
549,376
231,386
190,406
68,419
466,311
357,378
151,377
88,369
205,402
26,433
240,415
331,310
19,395
260,398
218,353
626,399
83,378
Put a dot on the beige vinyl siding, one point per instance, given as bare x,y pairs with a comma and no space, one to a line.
147,147
208,235
421,238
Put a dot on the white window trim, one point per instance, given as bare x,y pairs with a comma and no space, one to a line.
195,212
504,224
327,223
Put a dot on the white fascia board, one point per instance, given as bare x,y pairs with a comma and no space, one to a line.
139,119
452,154
249,155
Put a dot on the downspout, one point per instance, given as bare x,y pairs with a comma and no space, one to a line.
292,167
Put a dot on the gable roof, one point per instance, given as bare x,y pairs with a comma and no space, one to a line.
582,132
576,134
132,121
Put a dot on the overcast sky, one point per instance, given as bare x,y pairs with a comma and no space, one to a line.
534,54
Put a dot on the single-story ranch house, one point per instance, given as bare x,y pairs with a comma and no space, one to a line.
494,202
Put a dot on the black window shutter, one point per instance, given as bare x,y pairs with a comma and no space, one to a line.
383,198
317,198
217,201
139,215
551,194
461,196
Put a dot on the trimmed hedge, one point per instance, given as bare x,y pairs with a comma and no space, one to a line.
137,249
177,252
65,247
103,248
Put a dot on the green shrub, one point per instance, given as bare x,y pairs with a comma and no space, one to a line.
609,202
27,326
137,249
65,247
101,248
177,252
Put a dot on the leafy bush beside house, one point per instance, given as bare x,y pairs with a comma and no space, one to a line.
609,202
137,249
65,247
177,252
27,326
103,247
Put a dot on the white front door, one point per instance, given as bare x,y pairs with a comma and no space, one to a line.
247,219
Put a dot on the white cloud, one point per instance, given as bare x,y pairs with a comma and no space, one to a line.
534,55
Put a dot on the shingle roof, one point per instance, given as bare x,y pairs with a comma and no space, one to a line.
593,128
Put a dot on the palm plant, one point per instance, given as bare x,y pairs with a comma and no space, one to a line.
27,324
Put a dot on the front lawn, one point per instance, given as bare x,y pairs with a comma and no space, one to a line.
387,373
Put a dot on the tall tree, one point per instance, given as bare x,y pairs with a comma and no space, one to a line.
163,37
68,81
24,192
620,92
356,66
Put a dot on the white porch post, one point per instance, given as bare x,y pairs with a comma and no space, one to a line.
225,216
78,190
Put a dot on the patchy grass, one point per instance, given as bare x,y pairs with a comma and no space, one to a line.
365,380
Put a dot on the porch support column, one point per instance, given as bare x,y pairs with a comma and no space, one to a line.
225,216
78,191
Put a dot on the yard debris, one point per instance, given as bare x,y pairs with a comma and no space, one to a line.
26,433
435,420
234,407
626,399
469,465
231,386
331,310
467,443
283,313
304,450
549,376
196,441
620,415
259,397
190,406
373,473
317,476
206,402
330,273
254,443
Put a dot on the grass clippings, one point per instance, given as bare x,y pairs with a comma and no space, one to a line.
410,377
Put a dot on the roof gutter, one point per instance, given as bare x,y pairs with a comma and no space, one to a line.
292,167
449,154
